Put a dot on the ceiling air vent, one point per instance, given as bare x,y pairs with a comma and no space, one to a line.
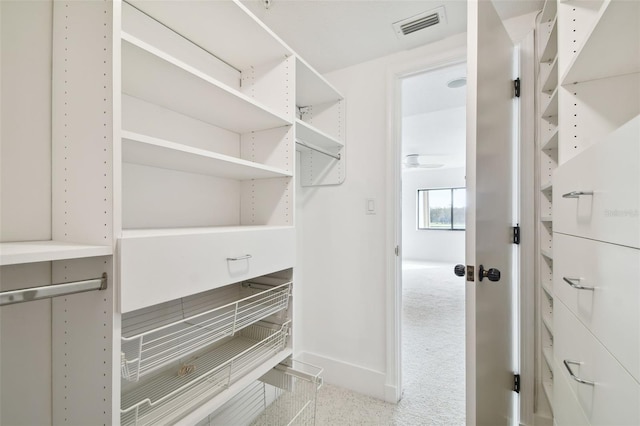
419,22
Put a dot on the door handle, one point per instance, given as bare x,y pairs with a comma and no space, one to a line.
459,270
492,273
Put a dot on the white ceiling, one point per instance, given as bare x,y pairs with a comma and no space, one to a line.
434,117
333,34
428,92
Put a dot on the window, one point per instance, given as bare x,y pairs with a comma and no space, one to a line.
442,208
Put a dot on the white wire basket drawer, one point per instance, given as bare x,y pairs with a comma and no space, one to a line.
171,395
296,386
177,332
284,396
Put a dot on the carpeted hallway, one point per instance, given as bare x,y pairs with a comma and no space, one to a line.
433,359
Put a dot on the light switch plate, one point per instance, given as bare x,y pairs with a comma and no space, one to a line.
370,206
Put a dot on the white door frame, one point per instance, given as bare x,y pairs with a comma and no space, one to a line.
393,385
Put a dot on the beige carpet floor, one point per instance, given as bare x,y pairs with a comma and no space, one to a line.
433,359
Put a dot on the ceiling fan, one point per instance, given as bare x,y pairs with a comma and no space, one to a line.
412,161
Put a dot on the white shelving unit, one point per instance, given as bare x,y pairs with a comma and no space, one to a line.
547,160
598,109
589,110
616,24
319,124
170,151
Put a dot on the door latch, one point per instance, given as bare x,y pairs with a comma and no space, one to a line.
460,270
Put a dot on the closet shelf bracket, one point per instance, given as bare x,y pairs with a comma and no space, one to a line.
318,149
48,291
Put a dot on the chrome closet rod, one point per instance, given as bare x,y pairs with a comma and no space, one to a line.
48,291
318,149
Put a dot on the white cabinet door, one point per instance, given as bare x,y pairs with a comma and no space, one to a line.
566,409
597,193
612,398
608,303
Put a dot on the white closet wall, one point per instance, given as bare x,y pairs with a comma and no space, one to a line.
345,250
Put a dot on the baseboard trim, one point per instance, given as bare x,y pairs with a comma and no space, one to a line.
542,420
391,394
349,376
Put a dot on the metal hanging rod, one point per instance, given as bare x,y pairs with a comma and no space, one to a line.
48,291
318,149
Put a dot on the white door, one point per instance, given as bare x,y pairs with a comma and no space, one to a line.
490,176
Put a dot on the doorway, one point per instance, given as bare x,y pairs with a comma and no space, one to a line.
433,154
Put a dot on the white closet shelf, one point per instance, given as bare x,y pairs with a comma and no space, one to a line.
546,187
311,87
612,46
546,219
308,133
547,324
43,251
546,286
154,76
550,43
548,391
547,319
549,73
148,351
150,151
547,253
552,141
551,107
212,24
548,357
171,395
549,11
161,232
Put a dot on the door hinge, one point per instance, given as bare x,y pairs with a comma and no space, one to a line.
516,234
397,250
516,87
516,383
